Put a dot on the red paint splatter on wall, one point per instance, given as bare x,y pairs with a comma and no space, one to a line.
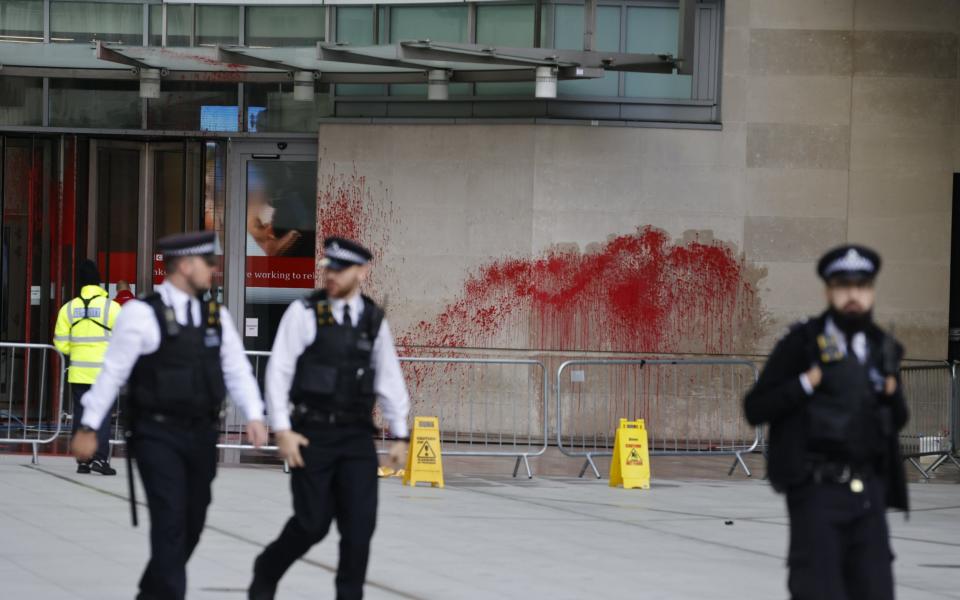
639,293
349,206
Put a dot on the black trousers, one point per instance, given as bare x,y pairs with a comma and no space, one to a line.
839,543
177,466
338,481
103,432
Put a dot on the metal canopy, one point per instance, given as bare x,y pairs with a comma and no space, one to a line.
403,62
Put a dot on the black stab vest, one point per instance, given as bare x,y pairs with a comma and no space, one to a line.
335,374
184,377
845,421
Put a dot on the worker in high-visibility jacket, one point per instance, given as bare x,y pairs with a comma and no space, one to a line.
83,334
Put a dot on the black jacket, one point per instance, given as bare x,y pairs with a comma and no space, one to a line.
778,398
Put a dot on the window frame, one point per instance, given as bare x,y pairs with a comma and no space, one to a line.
702,110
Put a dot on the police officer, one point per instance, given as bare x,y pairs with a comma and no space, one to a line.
831,394
82,333
333,357
181,356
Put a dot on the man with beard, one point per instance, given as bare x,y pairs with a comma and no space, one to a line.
332,359
181,355
831,394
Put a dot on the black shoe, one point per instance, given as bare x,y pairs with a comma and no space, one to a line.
261,590
102,467
83,468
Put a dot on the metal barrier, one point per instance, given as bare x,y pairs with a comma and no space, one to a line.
492,407
690,407
484,409
931,394
32,379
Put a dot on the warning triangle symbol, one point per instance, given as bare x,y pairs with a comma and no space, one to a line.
634,458
426,451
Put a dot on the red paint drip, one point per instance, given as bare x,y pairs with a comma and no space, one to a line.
348,206
640,293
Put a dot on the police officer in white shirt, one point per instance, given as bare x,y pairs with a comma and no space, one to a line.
181,356
333,358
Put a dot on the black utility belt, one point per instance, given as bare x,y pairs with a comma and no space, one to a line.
838,472
311,417
181,421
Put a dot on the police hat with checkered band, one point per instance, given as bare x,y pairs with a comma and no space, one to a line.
193,243
850,262
340,253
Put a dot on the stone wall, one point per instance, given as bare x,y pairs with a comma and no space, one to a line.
839,123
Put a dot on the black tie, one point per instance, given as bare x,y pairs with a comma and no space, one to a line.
190,320
347,321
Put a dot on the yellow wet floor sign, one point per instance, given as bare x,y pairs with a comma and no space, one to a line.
423,458
631,456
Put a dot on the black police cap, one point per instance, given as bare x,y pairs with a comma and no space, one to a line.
340,253
194,243
850,261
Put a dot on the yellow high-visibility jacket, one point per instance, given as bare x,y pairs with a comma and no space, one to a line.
83,332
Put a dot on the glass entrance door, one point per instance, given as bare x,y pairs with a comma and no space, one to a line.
140,192
276,220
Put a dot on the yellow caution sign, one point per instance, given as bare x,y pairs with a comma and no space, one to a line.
423,458
631,456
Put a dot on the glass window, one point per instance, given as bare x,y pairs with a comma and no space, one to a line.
355,25
217,25
281,241
654,30
21,20
271,108
179,24
436,23
569,36
195,106
509,25
81,22
95,103
21,101
284,25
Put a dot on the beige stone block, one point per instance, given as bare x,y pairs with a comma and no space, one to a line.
906,103
805,14
733,100
905,54
796,192
585,229
800,52
898,192
908,238
736,13
685,147
736,51
922,333
806,99
907,15
914,287
791,287
875,146
791,239
798,146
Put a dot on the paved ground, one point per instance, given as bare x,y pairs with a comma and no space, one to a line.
67,536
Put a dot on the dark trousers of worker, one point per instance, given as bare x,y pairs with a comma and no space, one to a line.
338,481
177,465
839,543
103,432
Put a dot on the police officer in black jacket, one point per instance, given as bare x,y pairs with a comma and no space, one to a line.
332,359
181,355
831,395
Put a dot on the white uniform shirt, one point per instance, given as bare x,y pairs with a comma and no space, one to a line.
298,329
859,343
137,333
